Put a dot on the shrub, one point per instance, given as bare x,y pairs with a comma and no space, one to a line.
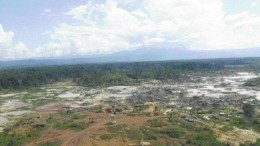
106,136
11,140
204,138
157,123
150,134
76,116
134,134
227,128
116,129
248,110
50,144
73,126
157,144
174,132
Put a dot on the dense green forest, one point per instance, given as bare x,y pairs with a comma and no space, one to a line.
111,73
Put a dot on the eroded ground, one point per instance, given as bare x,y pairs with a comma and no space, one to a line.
148,113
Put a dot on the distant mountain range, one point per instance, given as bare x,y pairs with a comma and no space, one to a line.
144,54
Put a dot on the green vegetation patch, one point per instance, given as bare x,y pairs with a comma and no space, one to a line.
205,137
253,82
135,134
151,134
115,129
176,132
7,139
157,123
107,74
157,144
77,126
257,143
106,136
227,128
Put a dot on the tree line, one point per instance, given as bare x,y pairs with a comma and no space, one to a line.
105,74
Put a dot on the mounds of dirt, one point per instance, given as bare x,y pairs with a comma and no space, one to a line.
51,108
238,136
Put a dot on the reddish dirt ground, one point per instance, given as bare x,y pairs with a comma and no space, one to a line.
134,121
83,138
52,136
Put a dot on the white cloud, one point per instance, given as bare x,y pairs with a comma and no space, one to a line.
5,37
10,50
245,30
117,25
47,12
254,3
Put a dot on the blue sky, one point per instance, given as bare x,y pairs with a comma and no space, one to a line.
50,28
27,18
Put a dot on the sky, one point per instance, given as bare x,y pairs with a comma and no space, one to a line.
54,28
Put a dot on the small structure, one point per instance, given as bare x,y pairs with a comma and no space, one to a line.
189,120
113,119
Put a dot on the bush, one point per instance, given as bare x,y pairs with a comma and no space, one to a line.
50,144
11,140
227,128
157,123
157,144
257,143
134,134
150,134
73,126
106,136
248,110
116,129
204,138
76,117
174,132
253,82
